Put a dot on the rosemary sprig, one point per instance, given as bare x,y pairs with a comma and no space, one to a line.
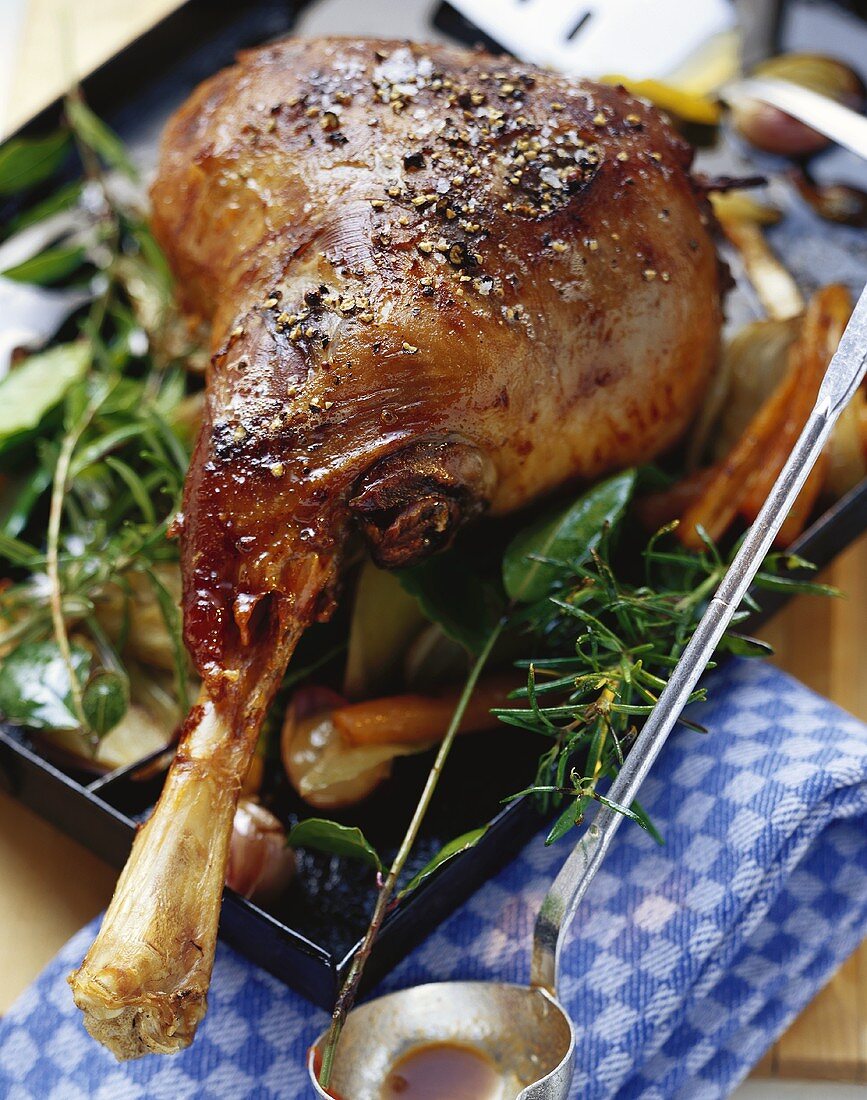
607,647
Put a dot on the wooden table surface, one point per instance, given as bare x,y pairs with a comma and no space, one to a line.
51,885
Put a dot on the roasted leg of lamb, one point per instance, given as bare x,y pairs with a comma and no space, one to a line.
439,284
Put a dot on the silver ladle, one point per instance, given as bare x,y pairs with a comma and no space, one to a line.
524,1032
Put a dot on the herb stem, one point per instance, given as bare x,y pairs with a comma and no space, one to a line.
703,590
52,552
348,992
604,701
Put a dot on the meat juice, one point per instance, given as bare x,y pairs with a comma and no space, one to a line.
443,1071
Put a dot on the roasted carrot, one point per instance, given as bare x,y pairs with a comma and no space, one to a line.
415,719
657,509
825,320
742,481
718,505
796,520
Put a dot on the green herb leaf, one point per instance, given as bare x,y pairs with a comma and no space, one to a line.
18,553
624,810
790,561
34,685
791,587
24,162
135,486
741,645
91,420
98,137
567,820
48,266
36,386
172,618
104,445
63,198
105,700
568,536
606,649
647,824
444,855
337,840
451,594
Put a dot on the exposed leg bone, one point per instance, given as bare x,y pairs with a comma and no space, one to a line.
143,985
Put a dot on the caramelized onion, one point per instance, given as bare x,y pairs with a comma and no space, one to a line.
324,771
847,447
835,202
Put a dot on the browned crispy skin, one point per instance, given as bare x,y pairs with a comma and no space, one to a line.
438,282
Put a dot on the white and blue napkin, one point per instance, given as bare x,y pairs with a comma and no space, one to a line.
684,964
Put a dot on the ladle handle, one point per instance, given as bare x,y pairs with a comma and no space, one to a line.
842,378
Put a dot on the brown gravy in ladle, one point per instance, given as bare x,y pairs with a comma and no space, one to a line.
443,1071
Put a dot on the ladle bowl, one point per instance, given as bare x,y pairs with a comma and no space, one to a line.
524,1033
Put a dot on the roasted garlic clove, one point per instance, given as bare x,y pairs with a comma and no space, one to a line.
261,864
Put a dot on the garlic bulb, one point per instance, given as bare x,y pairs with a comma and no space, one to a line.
261,864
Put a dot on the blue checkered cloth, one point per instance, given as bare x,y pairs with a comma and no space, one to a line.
685,962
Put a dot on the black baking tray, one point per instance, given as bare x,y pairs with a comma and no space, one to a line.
309,941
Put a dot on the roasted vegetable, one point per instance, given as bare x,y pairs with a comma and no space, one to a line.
847,448
318,763
685,105
261,863
133,615
754,361
772,130
133,738
385,620
739,483
751,364
419,719
776,289
835,202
